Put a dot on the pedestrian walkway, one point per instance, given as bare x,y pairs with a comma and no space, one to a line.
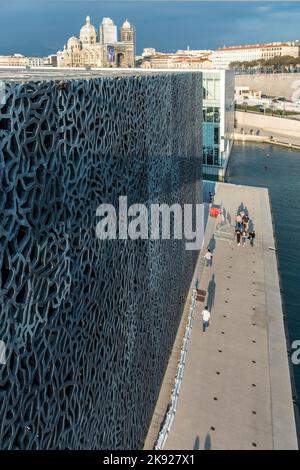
236,391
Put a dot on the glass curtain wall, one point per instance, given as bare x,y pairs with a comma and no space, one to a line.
211,119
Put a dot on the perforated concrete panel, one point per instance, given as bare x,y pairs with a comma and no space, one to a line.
88,324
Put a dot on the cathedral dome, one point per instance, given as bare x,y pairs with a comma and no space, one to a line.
73,41
126,25
88,34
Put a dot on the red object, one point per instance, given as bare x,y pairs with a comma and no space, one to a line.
214,212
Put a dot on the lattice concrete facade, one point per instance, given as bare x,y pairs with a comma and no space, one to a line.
89,324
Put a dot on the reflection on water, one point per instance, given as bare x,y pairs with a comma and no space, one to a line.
278,169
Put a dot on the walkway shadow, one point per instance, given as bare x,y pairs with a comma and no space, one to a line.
240,208
197,444
251,225
211,293
226,216
207,443
212,244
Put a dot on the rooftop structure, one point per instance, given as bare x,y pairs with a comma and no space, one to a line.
23,74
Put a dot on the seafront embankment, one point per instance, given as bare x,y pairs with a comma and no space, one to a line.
262,139
254,127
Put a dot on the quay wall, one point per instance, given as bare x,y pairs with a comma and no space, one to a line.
282,129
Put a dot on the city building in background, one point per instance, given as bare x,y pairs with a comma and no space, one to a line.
223,57
16,60
19,60
182,59
100,49
218,120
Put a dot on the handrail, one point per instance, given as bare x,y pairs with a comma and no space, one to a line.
166,426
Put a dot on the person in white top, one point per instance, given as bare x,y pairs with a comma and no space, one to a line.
208,257
206,317
239,219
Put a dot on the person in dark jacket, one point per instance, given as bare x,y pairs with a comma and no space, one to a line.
251,237
238,237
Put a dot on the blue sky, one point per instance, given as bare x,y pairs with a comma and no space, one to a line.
40,27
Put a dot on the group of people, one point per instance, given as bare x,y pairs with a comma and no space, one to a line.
242,234
242,228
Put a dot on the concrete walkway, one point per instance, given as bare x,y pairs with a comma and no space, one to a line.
236,391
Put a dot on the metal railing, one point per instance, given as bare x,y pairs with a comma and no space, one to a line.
167,423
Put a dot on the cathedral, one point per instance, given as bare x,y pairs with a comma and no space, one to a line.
100,49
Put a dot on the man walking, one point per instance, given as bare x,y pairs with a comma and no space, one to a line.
238,237
208,257
246,222
251,237
205,317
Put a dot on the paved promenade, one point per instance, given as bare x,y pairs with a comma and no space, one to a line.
236,390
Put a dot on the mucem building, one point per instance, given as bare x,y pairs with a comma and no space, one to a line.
88,324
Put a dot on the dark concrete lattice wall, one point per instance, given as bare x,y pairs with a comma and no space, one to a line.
89,324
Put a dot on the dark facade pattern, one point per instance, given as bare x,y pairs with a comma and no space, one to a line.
89,324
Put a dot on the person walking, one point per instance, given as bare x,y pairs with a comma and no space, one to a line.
238,237
239,219
246,221
205,318
244,237
251,237
208,257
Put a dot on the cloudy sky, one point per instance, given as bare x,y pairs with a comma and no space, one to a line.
40,27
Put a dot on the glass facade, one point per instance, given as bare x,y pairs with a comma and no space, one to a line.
211,119
218,116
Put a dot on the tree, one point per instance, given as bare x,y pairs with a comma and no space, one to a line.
278,61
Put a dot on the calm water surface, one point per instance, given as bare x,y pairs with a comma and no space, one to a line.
277,169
